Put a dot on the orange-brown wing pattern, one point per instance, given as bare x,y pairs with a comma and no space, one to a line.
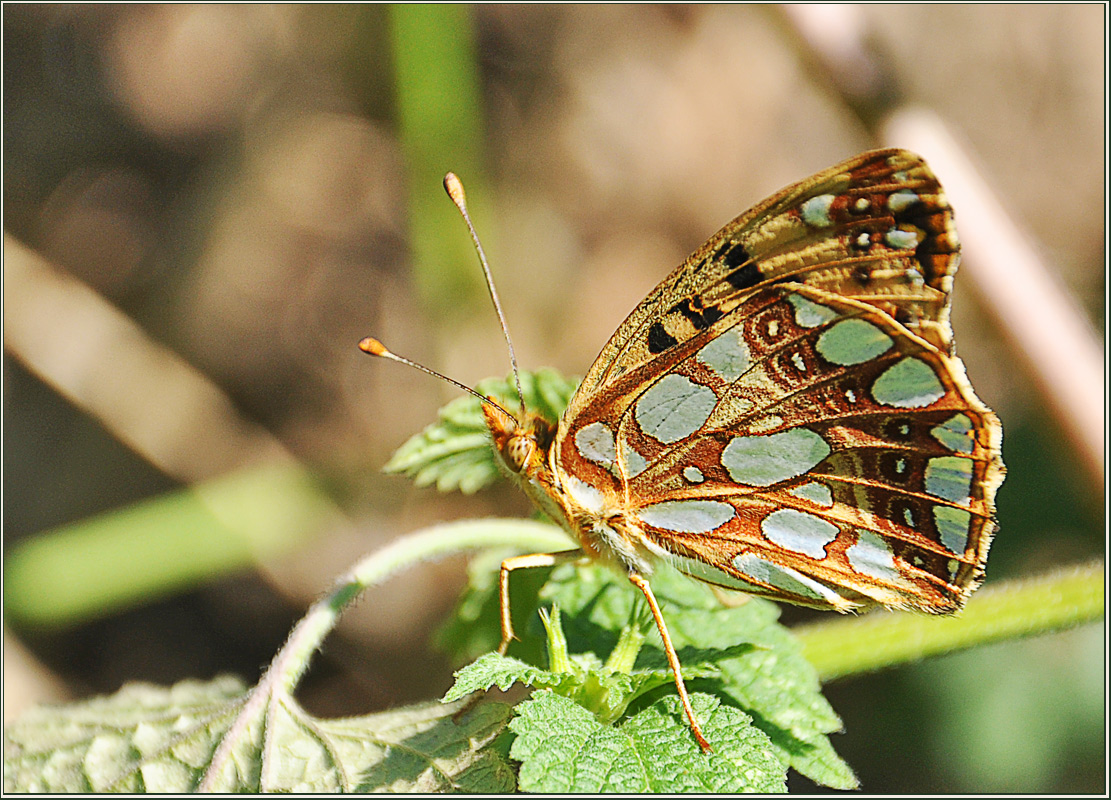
807,447
876,228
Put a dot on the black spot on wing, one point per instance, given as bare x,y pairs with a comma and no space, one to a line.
710,316
898,429
744,278
915,213
905,317
894,468
931,218
735,256
720,249
659,339
700,318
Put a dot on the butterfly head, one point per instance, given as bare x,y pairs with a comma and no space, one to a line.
521,444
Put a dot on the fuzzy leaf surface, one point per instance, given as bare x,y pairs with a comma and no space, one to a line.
606,694
770,679
149,739
563,749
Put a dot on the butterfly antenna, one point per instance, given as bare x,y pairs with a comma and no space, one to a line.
373,347
454,188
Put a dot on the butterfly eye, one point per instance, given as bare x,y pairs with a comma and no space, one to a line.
518,450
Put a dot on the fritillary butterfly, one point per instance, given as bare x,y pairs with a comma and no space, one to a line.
783,414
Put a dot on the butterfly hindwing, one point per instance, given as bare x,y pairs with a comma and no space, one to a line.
807,447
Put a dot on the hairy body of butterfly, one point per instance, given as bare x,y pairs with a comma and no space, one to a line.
784,414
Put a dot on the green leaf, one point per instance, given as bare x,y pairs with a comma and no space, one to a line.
474,627
501,671
757,663
587,683
143,738
604,691
770,679
454,452
157,740
563,748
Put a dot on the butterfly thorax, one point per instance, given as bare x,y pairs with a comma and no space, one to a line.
529,452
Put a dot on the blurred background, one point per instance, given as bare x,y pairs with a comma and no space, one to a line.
206,207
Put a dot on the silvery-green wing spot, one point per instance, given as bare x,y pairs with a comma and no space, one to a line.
806,447
876,228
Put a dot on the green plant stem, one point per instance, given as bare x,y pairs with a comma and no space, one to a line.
625,652
121,558
292,661
1059,600
431,543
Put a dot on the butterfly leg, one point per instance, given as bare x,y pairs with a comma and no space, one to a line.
507,566
524,562
672,658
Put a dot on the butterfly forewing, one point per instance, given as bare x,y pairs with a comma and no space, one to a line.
790,420
877,228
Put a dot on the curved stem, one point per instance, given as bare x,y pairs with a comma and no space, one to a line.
435,542
1053,602
291,662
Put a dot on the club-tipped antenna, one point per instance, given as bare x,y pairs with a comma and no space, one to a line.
454,188
373,347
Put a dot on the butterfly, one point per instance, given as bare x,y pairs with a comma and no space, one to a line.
784,414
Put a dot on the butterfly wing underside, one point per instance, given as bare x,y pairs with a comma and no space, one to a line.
876,227
783,414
